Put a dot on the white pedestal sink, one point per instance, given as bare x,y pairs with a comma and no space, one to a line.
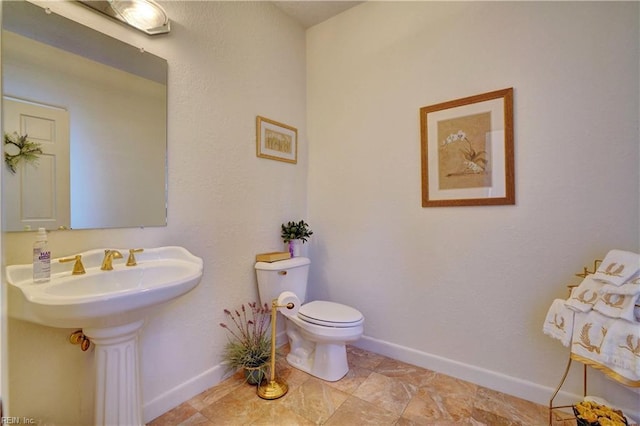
110,307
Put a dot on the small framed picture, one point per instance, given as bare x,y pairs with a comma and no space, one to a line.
467,151
276,141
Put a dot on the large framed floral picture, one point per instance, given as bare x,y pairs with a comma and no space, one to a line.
467,151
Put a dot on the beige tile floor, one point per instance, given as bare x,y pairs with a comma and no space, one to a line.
376,391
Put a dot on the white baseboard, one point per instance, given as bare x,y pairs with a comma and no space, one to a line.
184,392
524,389
192,387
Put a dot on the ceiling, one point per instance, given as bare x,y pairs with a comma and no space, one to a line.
309,13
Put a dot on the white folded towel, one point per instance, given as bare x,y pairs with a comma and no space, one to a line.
609,343
630,288
559,322
617,267
584,296
617,306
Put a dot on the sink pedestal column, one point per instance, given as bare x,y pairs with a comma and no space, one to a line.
118,398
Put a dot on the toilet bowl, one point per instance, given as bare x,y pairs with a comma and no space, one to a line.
318,331
319,349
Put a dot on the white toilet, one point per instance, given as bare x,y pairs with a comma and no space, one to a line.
320,330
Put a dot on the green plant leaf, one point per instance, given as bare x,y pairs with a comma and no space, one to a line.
295,231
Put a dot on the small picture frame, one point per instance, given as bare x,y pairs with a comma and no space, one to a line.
276,141
467,151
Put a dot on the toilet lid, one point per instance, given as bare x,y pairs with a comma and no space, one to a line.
330,314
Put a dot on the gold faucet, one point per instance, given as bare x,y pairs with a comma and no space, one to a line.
109,255
78,267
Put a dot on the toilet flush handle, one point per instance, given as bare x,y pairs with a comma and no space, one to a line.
282,272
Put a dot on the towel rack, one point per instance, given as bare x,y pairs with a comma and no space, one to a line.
585,272
566,370
564,377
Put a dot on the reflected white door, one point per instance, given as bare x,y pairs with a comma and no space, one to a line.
37,195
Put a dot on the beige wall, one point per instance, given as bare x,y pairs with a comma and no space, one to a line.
465,290
228,62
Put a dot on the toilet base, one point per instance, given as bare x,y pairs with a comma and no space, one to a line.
326,361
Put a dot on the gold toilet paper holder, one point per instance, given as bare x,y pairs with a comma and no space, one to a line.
274,389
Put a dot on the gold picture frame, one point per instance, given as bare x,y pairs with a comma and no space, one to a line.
467,152
276,141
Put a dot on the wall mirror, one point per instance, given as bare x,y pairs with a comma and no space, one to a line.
97,108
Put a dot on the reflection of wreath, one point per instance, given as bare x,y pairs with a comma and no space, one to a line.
17,148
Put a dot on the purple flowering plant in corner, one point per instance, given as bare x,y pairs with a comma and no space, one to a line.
248,346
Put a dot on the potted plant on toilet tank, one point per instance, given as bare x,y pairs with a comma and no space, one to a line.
296,234
249,347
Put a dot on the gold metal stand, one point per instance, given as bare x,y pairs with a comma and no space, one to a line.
274,389
584,274
564,377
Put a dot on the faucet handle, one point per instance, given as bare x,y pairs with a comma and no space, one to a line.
78,267
131,261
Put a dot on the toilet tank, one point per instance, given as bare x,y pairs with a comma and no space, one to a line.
284,275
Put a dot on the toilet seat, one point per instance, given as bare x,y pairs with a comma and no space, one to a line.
330,314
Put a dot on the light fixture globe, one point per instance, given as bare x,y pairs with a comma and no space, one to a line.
145,15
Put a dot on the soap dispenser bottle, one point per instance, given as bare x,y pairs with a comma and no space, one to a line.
41,258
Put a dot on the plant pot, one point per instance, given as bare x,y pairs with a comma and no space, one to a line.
295,248
254,375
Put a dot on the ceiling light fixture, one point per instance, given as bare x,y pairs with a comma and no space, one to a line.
144,15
